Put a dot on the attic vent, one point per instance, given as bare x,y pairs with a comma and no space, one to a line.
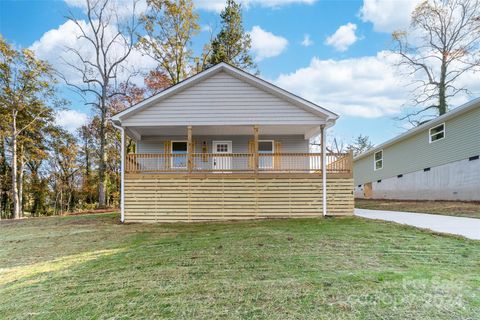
426,169
473,158
400,175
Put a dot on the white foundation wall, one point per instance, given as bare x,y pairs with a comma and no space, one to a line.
459,180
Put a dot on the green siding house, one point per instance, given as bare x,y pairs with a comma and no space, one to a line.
438,160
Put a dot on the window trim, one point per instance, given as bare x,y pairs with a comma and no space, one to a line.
229,142
172,162
430,132
375,161
273,145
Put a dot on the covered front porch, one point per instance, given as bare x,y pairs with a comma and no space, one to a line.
257,149
197,173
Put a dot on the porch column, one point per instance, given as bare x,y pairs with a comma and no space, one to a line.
324,169
189,149
255,148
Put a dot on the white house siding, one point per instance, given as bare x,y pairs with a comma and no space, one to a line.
222,99
459,180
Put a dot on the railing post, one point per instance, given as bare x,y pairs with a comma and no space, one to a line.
189,149
350,163
255,149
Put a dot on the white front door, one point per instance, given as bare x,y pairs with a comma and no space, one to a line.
222,163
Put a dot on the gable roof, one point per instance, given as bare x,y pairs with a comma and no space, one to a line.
242,75
475,103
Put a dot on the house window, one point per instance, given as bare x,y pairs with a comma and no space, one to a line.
437,133
265,148
378,160
179,151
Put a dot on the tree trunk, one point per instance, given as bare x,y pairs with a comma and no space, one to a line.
442,100
89,198
3,178
36,190
103,159
16,205
21,170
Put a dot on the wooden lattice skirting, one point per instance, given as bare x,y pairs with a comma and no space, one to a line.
156,198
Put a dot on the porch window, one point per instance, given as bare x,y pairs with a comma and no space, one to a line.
179,154
378,160
437,133
265,151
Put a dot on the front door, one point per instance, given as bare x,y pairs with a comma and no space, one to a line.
222,162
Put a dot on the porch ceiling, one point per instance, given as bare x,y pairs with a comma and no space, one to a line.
141,132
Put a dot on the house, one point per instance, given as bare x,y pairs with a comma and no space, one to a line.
225,145
438,160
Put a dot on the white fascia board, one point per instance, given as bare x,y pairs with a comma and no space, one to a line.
133,133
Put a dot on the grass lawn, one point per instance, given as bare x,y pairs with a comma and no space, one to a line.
91,267
448,208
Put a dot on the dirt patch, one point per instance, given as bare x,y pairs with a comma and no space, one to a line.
93,212
450,208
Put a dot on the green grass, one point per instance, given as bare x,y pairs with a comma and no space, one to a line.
447,208
91,267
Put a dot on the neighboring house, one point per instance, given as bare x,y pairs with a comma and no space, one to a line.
438,160
225,144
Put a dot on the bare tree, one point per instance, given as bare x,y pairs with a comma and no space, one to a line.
360,144
107,39
334,146
443,44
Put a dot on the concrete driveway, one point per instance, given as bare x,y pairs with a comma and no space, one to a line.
467,227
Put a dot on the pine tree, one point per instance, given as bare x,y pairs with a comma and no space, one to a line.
232,44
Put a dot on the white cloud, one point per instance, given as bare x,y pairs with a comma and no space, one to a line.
53,43
218,5
388,15
265,44
364,87
70,119
307,42
368,87
343,38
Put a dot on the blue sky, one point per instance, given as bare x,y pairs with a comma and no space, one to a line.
343,66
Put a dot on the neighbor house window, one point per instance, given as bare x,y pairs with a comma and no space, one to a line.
378,160
265,147
437,133
179,151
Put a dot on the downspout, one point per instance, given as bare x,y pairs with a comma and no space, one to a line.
323,132
122,172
